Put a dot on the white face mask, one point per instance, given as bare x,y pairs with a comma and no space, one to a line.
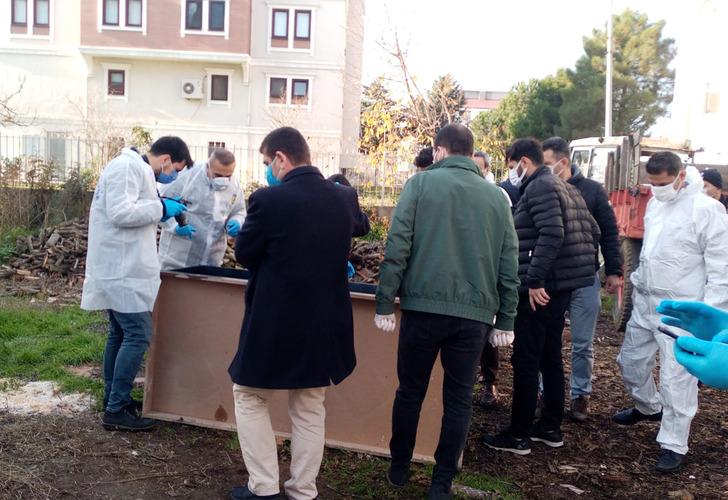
220,183
513,176
665,194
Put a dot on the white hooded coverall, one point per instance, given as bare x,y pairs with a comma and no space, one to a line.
684,257
122,269
208,211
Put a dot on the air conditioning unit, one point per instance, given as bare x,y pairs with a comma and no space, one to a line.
192,89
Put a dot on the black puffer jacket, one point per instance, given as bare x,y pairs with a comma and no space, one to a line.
597,202
557,236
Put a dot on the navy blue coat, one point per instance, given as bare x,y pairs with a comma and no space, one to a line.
298,329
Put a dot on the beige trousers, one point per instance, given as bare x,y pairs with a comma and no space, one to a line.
258,443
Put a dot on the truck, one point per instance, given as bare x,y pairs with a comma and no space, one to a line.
618,163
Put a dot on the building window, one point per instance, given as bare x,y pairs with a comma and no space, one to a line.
20,12
277,91
212,146
289,91
193,18
299,92
302,30
217,16
116,82
122,15
111,12
219,88
280,24
42,13
205,17
134,10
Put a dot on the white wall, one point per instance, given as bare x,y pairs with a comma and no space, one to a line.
700,68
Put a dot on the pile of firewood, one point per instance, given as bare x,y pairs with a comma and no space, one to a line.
228,259
57,251
54,262
366,257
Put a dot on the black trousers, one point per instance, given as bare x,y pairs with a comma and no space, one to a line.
489,364
460,343
537,347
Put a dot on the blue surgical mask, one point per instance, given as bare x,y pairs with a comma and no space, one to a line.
163,178
270,178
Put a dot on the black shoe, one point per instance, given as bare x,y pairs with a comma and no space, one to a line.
669,461
127,420
489,399
554,439
242,492
631,416
505,441
398,476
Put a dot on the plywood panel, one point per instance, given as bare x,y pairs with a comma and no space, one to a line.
197,322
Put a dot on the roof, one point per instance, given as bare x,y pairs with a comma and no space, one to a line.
481,103
645,142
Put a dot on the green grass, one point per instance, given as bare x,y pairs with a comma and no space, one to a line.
503,489
39,342
362,476
7,242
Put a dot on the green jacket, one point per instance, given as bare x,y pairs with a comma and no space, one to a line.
452,248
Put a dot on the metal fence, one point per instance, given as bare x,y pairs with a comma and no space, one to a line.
20,156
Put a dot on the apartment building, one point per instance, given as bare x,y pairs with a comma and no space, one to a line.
215,72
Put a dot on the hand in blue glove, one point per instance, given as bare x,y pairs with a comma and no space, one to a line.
350,271
185,231
706,360
172,207
233,228
700,319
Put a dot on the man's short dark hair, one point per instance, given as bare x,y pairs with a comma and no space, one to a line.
288,141
484,156
173,146
456,139
424,158
223,156
558,145
340,179
664,161
529,148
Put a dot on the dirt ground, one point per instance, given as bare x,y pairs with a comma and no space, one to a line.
72,457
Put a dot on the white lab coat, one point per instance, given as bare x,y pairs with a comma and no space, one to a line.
208,211
122,269
684,257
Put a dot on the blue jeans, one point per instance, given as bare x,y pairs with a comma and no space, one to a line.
129,336
459,342
583,313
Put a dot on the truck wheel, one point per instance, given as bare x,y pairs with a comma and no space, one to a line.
622,309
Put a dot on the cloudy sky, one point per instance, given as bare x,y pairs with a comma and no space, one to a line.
492,44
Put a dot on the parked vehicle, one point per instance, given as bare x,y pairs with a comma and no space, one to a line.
619,164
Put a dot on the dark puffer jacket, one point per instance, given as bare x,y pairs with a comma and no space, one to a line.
597,202
557,236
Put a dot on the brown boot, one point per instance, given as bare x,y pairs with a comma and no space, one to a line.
579,411
489,400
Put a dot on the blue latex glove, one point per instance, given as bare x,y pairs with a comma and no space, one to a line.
700,319
172,207
233,228
706,360
185,231
350,271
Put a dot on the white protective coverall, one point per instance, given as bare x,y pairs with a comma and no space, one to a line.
208,210
684,257
122,269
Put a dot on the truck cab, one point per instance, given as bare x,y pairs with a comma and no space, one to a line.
618,163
